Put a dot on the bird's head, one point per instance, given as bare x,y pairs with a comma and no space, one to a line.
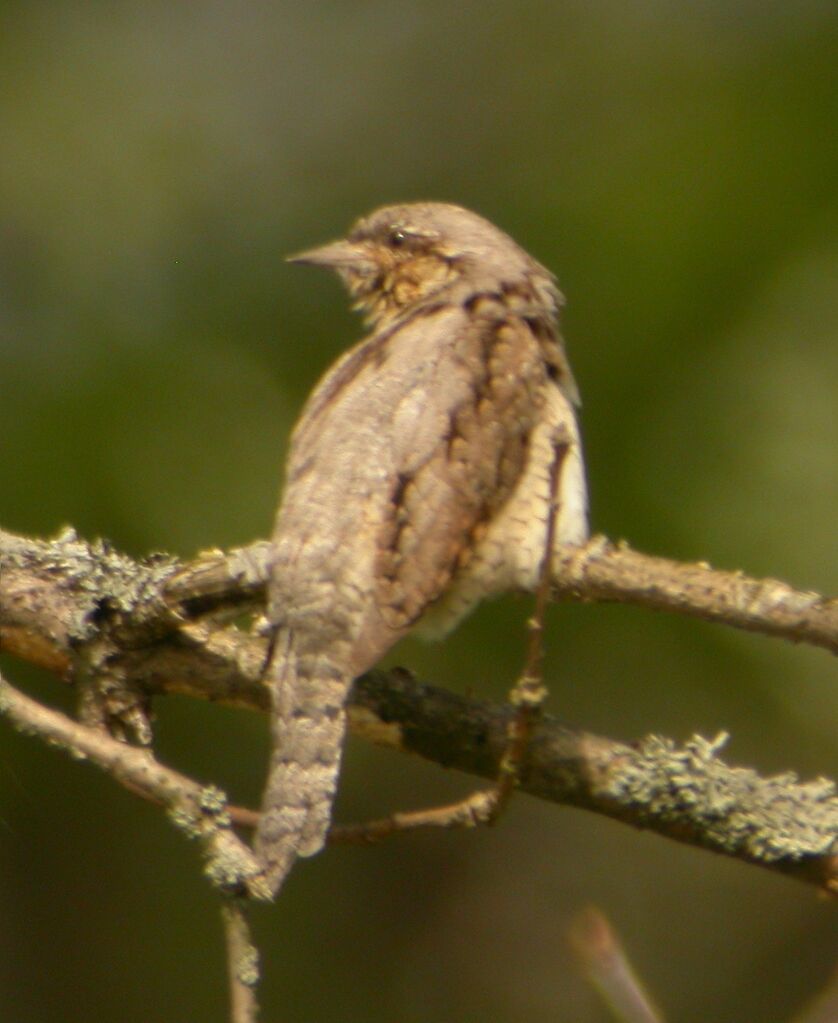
400,257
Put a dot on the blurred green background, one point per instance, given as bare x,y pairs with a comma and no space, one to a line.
676,164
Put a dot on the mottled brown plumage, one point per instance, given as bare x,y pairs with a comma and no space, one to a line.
417,483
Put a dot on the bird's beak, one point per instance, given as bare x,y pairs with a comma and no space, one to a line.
338,255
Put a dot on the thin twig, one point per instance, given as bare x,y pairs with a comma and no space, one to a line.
242,962
529,692
824,1007
200,811
606,966
475,809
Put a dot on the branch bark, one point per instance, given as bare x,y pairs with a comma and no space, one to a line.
242,963
149,628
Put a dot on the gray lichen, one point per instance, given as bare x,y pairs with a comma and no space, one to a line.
773,819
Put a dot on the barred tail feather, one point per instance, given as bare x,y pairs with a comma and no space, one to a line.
309,722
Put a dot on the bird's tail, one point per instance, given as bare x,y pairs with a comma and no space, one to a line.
309,722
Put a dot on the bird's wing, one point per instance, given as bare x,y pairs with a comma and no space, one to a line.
404,453
459,437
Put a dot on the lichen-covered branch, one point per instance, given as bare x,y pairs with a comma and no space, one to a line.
73,582
158,626
687,793
600,571
199,811
604,571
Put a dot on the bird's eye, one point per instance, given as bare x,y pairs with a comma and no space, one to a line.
398,237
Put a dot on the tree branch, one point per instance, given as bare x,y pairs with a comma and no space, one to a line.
199,811
599,571
147,622
242,962
603,571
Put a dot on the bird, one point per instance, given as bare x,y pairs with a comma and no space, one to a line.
418,481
